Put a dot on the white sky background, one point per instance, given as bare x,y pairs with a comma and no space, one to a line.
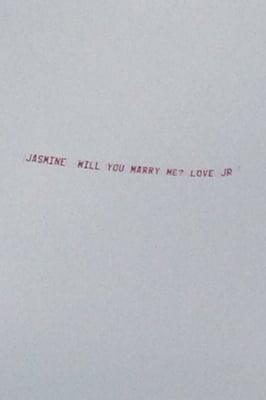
120,286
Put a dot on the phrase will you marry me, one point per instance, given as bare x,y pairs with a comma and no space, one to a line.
117,167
